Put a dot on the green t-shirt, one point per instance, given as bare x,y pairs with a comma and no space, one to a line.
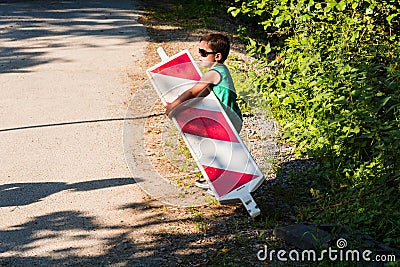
226,93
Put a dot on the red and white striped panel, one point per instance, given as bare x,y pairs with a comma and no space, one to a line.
212,140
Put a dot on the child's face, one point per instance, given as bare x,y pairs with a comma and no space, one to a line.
209,58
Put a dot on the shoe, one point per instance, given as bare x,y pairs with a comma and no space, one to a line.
202,184
210,192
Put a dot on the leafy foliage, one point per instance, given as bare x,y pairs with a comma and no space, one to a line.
330,71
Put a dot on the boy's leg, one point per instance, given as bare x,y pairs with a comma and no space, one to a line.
235,119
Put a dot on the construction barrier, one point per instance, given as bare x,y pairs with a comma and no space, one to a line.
215,145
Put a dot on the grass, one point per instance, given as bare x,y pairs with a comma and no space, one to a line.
199,220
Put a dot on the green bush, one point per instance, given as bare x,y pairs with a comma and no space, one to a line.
333,85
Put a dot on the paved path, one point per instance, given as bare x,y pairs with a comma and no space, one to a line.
66,194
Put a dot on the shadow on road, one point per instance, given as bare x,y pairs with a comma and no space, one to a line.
78,232
160,248
26,27
21,194
227,236
79,122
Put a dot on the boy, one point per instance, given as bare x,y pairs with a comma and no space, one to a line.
214,49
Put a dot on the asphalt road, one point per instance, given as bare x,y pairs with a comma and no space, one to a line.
66,194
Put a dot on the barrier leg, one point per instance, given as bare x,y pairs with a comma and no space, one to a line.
250,205
163,55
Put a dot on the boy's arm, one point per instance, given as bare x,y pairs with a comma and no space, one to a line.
200,89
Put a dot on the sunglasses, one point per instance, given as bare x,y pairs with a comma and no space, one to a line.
204,53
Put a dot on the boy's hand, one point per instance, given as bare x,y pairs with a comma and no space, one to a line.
168,109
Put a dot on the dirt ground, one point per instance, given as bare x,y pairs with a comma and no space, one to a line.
211,234
215,234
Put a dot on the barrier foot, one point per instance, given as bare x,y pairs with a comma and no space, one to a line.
250,205
163,55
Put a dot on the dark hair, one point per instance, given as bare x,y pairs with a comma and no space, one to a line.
218,42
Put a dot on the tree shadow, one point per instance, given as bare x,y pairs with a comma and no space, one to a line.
24,24
22,194
212,235
67,235
11,57
77,231
286,192
168,21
